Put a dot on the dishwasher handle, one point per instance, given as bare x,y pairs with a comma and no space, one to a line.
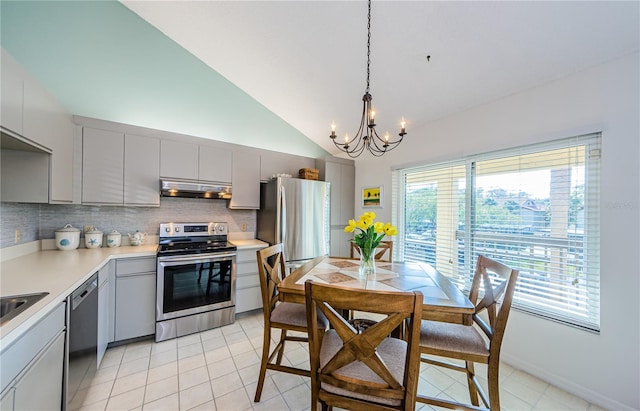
79,295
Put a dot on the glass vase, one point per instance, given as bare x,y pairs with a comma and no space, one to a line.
367,263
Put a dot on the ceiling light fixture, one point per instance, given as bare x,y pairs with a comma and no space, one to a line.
367,137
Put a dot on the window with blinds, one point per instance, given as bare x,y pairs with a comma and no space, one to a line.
535,208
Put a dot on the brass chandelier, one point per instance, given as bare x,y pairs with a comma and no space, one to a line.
367,137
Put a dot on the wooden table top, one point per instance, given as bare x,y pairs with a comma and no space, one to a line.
443,301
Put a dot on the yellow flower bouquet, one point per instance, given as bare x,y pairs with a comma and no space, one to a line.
368,237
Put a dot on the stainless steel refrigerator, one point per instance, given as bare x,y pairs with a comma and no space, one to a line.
295,212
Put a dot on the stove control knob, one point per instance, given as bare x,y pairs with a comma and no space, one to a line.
177,229
167,229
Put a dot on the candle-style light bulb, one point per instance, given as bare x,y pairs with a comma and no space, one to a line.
386,137
402,126
333,130
346,138
372,115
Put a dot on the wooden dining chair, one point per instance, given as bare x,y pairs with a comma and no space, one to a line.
479,341
363,369
384,251
280,315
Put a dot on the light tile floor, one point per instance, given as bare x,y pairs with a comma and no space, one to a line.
218,370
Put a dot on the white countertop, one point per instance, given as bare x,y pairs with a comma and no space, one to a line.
249,244
60,273
57,272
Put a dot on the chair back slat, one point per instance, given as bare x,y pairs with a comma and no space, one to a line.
271,269
497,298
384,251
281,316
360,348
492,290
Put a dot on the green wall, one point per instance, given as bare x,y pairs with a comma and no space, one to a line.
99,59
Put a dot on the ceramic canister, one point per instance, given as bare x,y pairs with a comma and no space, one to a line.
93,238
114,239
68,238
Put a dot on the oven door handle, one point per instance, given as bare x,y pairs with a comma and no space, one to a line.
196,259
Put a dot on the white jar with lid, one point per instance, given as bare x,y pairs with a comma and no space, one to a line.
114,239
67,238
93,238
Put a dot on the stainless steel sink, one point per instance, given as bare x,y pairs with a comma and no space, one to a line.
11,306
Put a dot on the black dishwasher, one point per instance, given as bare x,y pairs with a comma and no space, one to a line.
83,340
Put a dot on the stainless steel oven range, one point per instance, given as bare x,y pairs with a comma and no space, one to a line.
196,284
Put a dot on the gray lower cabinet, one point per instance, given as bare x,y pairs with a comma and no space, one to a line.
248,295
135,298
32,367
104,308
40,388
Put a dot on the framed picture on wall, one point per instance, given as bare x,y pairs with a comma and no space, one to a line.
372,197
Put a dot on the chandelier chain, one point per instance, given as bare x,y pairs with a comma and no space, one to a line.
368,43
367,138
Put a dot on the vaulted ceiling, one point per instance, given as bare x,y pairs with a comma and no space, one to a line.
305,61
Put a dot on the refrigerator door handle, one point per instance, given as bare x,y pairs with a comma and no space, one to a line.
283,216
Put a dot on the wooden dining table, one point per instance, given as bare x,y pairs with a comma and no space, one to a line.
442,300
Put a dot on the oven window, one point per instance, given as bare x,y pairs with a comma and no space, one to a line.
196,285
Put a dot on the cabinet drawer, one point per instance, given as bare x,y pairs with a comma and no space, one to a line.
248,299
247,281
135,265
245,268
15,357
246,255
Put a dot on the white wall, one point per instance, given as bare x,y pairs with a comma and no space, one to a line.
605,368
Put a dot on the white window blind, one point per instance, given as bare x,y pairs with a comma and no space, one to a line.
535,208
434,210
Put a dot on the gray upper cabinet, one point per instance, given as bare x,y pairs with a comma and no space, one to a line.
102,167
245,180
179,160
190,161
215,164
28,110
341,174
277,163
46,122
24,176
141,170
119,169
11,102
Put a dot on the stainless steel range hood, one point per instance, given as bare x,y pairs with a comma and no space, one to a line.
195,189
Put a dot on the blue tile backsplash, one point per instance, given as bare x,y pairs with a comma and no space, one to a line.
39,221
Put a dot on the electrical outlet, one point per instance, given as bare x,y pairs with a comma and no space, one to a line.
18,236
244,227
